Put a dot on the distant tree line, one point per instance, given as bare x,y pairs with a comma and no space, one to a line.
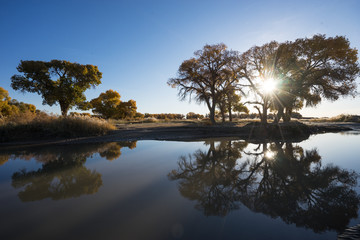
192,115
170,116
174,116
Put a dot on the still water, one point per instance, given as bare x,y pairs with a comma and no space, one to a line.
182,190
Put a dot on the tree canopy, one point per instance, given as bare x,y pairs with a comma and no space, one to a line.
206,75
109,105
58,81
283,77
5,108
9,107
304,72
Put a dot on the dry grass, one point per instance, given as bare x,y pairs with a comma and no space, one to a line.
151,120
201,122
41,126
345,118
339,118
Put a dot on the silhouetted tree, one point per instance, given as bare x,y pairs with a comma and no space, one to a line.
305,70
58,81
230,102
205,76
316,68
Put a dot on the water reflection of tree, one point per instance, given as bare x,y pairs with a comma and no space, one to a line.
63,174
113,150
277,179
207,176
4,159
59,179
110,151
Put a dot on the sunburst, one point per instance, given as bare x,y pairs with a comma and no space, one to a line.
268,86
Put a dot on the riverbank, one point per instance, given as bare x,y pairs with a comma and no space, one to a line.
294,131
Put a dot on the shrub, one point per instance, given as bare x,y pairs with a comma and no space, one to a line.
42,126
345,118
150,120
192,115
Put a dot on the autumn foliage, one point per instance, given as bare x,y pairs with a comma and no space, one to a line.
304,72
11,107
109,105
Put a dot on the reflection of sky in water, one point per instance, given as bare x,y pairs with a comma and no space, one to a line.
340,149
138,201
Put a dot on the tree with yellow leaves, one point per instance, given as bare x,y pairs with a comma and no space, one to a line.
109,105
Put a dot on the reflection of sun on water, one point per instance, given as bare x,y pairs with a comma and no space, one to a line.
268,86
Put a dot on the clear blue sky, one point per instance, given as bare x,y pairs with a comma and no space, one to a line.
139,45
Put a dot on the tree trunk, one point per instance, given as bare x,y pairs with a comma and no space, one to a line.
213,105
222,114
264,114
211,110
64,108
279,115
212,114
230,113
287,115
222,108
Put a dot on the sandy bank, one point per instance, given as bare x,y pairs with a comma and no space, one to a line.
195,132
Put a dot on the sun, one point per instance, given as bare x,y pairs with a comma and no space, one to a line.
268,86
269,154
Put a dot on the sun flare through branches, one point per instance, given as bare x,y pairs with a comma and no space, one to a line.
268,86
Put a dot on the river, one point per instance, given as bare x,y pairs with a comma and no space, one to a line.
215,189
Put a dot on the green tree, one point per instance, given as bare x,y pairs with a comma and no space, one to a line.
205,76
58,81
